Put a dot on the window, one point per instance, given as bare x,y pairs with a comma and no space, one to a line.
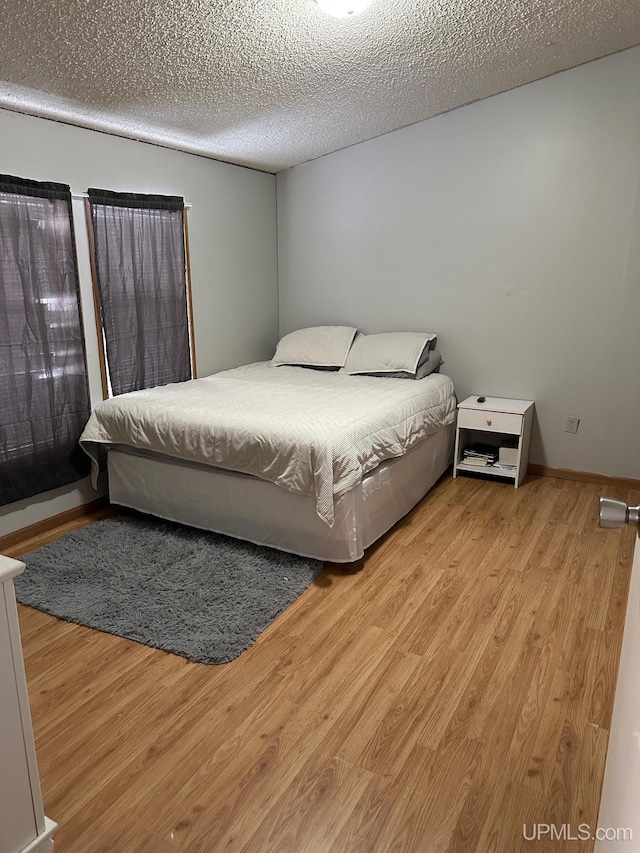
44,397
139,265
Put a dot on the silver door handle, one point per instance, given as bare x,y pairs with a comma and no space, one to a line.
614,513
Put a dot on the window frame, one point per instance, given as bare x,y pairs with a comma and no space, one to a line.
107,391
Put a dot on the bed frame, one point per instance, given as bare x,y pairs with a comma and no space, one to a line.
258,511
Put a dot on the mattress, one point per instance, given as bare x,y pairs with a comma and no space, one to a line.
313,433
258,511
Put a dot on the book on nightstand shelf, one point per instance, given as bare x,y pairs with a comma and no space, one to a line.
480,454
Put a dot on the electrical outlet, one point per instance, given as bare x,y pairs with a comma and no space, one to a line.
572,425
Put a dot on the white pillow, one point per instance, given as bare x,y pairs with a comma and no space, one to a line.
427,366
318,346
388,352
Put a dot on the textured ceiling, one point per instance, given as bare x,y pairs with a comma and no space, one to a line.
274,83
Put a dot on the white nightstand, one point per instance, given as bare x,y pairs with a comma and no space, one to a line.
494,422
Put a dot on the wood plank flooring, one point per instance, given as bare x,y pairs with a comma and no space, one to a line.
456,688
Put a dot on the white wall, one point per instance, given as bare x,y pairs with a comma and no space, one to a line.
232,231
511,227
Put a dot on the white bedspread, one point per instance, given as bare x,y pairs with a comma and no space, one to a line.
312,432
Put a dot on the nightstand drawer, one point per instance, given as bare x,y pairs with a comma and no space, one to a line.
490,421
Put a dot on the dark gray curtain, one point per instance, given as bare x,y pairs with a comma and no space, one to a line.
44,398
140,267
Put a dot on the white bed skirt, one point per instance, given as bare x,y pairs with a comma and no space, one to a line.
256,510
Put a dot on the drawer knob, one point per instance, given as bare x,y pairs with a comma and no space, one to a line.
489,421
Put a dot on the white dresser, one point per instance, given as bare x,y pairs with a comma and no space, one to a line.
23,825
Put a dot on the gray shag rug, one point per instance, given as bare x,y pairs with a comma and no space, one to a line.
200,595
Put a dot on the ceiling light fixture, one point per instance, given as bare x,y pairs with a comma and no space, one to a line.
343,8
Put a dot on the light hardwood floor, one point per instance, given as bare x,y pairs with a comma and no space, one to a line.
456,688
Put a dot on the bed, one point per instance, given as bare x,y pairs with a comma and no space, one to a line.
317,462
